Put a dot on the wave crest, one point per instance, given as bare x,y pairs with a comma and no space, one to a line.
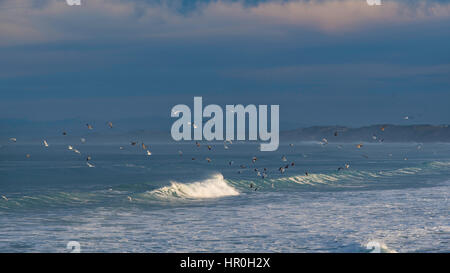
213,187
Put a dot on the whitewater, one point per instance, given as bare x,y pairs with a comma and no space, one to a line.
393,194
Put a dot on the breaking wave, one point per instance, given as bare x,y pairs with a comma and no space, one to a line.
213,187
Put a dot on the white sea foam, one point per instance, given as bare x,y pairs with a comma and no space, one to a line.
213,187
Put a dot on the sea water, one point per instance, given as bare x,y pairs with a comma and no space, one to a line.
393,194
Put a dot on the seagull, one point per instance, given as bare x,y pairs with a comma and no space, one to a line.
121,148
209,147
89,126
70,147
149,153
28,155
13,139
225,146
90,165
4,197
347,165
83,140
129,198
110,124
231,162
143,146
254,159
359,146
76,151
283,158
198,144
292,145
281,169
88,158
45,143
208,159
382,128
323,142
193,124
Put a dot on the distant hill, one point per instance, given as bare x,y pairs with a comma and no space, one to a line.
374,133
102,134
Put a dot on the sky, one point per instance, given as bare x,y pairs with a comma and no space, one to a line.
328,62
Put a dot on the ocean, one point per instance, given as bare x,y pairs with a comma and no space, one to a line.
390,193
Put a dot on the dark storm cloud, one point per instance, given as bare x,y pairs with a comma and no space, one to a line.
329,57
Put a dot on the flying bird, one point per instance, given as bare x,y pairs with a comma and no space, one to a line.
193,124
45,143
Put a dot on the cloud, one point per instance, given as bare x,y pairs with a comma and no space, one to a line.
118,20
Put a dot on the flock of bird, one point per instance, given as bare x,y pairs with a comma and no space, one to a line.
263,173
